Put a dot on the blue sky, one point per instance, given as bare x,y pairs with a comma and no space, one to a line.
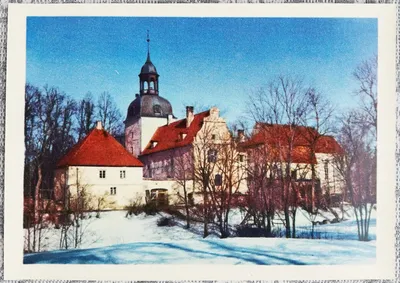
210,61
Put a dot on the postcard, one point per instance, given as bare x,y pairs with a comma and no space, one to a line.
237,142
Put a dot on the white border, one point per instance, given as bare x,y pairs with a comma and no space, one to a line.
14,146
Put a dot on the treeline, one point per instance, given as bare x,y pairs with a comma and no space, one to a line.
278,185
54,122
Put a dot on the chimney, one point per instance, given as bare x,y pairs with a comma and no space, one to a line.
240,134
189,115
99,126
169,119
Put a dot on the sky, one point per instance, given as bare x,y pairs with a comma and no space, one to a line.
201,61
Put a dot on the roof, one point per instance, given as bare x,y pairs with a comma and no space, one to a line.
148,67
175,134
149,105
277,137
99,148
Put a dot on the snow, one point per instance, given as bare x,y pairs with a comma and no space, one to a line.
115,239
272,251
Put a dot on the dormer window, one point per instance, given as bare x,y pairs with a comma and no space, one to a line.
182,136
157,109
153,144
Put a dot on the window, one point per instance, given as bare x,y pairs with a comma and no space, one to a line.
149,171
212,155
241,158
326,170
157,109
122,174
102,174
190,199
294,174
113,190
213,137
218,180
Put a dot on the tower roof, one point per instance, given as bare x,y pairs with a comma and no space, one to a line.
148,67
99,148
148,105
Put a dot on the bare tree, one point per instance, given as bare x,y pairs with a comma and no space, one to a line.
182,172
85,116
366,76
358,139
48,122
264,187
318,123
224,187
204,157
109,114
76,209
358,169
284,102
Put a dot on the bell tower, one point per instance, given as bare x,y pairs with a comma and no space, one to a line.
148,76
147,111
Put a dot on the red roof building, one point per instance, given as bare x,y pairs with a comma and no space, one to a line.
176,134
278,138
99,148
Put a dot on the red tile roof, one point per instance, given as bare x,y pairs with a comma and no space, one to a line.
99,148
175,134
277,138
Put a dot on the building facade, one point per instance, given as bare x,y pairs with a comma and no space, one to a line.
100,167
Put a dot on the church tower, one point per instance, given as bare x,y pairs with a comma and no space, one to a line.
147,111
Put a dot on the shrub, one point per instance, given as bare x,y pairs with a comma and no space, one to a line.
165,221
150,208
251,232
134,208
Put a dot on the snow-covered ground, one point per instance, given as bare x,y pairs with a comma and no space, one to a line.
115,239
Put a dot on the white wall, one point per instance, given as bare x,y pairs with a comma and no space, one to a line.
334,182
149,126
126,188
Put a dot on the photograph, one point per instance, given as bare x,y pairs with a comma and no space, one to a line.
200,140
194,142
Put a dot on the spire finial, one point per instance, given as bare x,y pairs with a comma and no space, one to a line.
148,46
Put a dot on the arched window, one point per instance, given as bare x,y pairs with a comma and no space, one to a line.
157,109
145,85
151,85
218,180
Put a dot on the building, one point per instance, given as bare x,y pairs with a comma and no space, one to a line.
147,111
179,150
102,167
276,146
162,154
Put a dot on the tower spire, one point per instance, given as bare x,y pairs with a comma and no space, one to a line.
148,46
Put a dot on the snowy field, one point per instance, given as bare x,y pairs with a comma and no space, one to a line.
115,239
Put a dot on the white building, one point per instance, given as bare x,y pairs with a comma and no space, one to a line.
101,166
